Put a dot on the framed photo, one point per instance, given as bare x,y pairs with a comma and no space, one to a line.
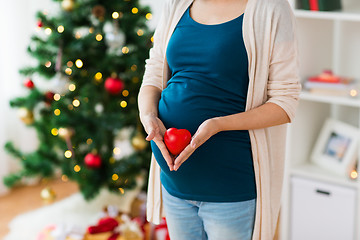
336,147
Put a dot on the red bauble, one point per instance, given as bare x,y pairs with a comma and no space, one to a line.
176,140
49,97
40,24
92,160
29,84
114,85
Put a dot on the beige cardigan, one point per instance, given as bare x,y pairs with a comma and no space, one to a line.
269,36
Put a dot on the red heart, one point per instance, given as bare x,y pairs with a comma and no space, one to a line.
176,140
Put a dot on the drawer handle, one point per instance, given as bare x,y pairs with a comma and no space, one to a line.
323,192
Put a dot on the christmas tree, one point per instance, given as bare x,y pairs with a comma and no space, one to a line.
93,52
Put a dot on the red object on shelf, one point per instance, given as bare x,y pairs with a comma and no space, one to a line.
324,80
326,76
314,5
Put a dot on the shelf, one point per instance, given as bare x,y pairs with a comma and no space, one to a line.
308,170
353,15
346,101
327,40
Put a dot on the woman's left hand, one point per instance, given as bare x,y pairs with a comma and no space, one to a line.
206,130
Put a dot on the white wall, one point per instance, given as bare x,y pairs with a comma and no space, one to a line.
156,7
17,23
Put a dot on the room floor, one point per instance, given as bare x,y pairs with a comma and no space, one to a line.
22,199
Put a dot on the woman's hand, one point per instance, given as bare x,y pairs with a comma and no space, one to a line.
206,130
155,129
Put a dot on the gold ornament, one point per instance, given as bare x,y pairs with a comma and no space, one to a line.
26,115
65,133
48,195
68,5
138,142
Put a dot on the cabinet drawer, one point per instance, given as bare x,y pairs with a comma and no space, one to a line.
321,211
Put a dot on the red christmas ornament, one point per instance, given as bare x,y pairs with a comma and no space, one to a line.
29,84
49,97
40,24
92,160
176,140
114,85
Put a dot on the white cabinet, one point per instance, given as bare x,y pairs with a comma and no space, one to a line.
321,210
327,40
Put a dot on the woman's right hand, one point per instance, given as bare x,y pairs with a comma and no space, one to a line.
155,129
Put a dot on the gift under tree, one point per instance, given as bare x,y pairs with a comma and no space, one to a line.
93,53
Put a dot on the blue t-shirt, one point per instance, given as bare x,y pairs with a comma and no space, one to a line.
209,68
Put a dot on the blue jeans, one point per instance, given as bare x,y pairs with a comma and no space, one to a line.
195,220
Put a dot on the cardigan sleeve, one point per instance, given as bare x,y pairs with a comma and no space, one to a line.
153,74
283,87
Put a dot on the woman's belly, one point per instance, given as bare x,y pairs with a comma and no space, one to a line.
186,105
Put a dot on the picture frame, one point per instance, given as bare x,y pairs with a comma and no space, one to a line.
335,148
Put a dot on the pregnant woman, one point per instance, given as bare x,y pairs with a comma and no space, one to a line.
227,71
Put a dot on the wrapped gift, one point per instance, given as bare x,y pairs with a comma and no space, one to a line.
103,230
112,225
107,224
62,232
130,229
138,214
103,236
113,212
138,206
145,227
161,231
112,229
